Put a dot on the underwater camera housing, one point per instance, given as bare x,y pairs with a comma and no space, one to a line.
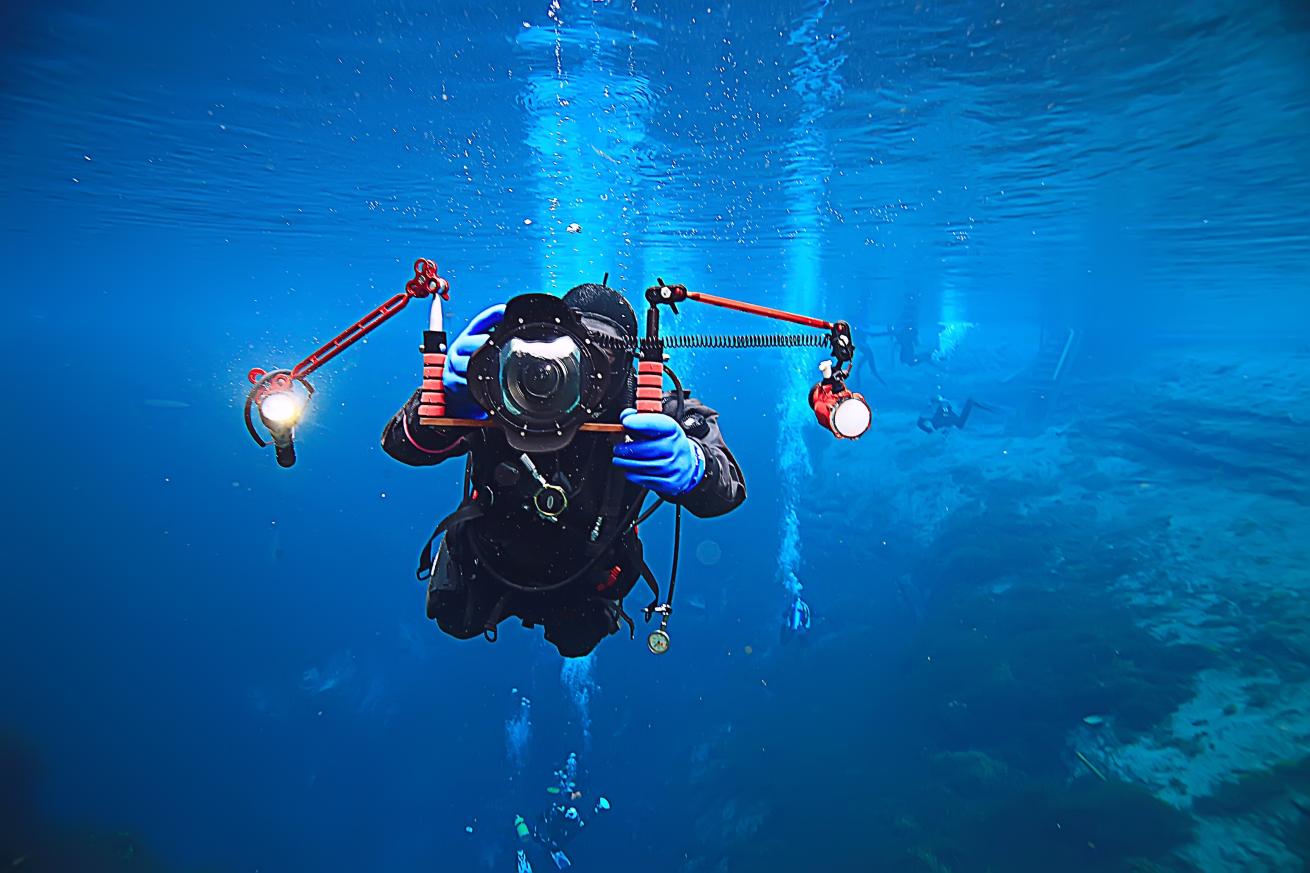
542,374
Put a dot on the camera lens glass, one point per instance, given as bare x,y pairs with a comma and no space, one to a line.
541,378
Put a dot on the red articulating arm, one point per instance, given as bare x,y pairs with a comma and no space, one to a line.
755,309
425,283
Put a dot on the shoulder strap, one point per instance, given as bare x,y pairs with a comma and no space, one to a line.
470,508
467,512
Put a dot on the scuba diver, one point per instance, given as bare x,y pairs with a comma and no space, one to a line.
797,620
868,364
940,414
559,823
905,332
547,528
907,341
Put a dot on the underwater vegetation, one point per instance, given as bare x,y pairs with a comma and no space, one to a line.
1010,670
1084,825
31,843
1284,780
1280,793
1021,645
1031,633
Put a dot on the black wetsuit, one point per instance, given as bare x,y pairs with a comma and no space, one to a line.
505,545
555,830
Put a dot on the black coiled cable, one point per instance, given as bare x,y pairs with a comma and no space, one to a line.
719,341
746,341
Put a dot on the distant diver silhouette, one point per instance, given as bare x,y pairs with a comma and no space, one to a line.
940,414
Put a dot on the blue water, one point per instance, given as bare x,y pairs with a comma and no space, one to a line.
1069,636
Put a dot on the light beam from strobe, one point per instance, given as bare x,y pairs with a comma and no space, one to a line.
280,407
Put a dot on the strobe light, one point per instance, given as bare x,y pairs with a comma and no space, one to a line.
842,411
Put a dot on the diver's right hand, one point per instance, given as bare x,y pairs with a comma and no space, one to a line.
454,378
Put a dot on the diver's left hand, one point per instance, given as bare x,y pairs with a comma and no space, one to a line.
660,455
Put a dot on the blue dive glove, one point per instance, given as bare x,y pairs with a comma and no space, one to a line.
454,378
661,456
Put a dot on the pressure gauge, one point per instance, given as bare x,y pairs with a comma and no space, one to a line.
658,641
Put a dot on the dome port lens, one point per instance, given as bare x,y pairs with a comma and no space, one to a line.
541,378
